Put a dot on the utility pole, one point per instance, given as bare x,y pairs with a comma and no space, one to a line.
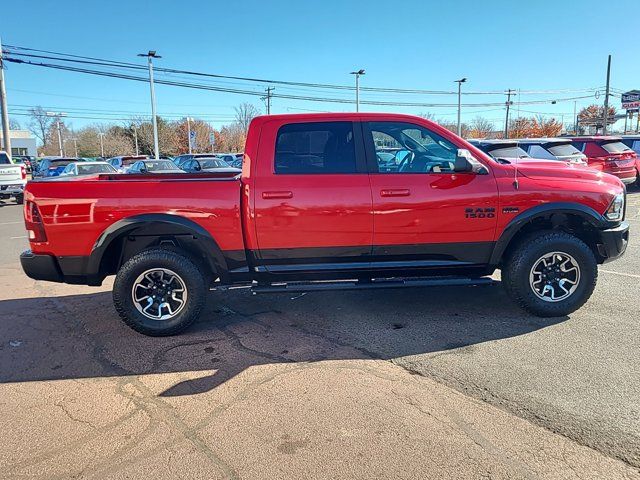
57,116
267,98
189,133
75,145
357,74
606,97
101,144
135,138
150,55
3,107
506,120
460,82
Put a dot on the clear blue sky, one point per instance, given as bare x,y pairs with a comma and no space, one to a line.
540,45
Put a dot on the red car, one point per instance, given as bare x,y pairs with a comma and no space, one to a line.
609,155
318,206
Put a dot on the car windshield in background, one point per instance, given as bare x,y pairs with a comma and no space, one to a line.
563,150
127,162
160,165
508,152
616,147
4,159
213,163
60,163
89,169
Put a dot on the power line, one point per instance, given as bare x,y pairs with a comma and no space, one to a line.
279,95
128,65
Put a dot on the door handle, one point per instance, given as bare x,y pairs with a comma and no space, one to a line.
277,195
395,192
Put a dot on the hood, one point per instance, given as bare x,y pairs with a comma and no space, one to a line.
561,171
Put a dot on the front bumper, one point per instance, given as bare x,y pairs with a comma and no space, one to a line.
613,242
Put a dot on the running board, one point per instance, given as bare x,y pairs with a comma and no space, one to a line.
359,285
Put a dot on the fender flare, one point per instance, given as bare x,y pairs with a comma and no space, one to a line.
516,224
166,224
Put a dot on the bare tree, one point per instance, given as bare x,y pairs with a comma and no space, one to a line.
40,123
480,128
245,112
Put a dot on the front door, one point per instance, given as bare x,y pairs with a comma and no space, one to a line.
312,197
425,214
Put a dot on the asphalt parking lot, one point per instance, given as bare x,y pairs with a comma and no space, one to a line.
410,383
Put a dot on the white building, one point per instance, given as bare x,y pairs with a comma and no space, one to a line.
22,142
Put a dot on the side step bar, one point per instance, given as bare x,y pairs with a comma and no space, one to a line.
378,283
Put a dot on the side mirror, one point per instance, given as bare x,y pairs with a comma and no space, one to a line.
465,163
143,170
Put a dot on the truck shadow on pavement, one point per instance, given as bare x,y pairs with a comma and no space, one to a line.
81,336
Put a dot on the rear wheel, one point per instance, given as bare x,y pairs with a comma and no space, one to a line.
159,292
20,199
550,274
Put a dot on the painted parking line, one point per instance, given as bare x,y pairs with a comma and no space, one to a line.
632,275
11,223
15,238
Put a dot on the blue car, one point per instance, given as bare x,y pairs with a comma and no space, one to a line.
52,166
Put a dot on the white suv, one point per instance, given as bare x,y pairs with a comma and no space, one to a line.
13,178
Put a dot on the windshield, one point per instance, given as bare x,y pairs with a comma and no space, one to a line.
60,163
159,165
564,150
96,168
616,147
4,159
213,163
508,152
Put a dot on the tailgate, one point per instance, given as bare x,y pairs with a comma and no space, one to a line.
10,174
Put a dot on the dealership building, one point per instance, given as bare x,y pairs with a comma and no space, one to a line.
22,142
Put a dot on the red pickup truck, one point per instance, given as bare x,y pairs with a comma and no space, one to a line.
330,201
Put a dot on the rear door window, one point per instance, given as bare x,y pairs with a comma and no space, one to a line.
615,147
315,148
563,150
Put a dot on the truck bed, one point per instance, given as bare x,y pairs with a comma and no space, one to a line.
75,211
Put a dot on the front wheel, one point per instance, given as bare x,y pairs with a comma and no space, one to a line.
159,292
550,274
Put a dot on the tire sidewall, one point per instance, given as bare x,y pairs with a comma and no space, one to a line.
183,266
536,249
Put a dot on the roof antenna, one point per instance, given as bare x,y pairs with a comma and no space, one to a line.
515,176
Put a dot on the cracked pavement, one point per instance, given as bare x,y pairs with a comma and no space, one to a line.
414,383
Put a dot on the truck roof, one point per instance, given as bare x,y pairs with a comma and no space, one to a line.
333,116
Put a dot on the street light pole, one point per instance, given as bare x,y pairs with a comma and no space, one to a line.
152,54
606,98
101,144
460,82
57,116
6,136
357,74
135,138
75,145
189,133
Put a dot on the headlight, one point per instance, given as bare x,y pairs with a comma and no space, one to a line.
616,209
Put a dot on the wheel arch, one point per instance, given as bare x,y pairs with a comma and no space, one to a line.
114,246
575,218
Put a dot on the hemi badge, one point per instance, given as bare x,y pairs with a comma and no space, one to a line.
510,209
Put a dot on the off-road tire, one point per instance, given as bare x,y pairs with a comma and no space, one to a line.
520,260
194,279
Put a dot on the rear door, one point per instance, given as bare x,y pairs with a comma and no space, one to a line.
312,197
425,214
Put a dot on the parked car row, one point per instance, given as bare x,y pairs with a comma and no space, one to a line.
617,156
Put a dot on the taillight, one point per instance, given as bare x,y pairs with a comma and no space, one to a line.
23,172
33,222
